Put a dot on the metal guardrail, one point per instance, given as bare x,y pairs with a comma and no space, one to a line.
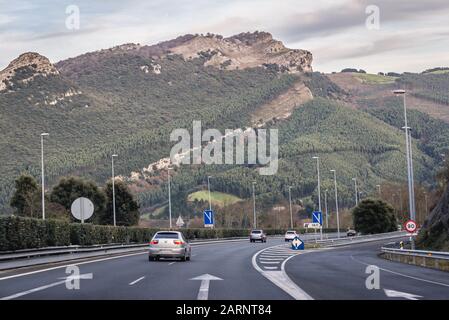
66,250
417,253
361,239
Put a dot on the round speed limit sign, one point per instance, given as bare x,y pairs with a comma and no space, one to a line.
411,226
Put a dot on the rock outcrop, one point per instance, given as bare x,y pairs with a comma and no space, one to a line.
24,68
435,232
245,50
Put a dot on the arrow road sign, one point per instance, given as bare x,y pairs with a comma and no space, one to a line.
399,294
208,218
297,244
317,217
205,279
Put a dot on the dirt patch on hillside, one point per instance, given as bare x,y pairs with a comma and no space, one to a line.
283,105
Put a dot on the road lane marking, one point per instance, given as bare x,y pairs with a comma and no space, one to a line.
70,264
270,262
280,278
398,294
203,293
271,259
269,268
23,293
135,281
171,263
403,275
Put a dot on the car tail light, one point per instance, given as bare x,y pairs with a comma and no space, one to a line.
178,242
154,242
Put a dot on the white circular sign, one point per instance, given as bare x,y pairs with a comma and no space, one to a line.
410,226
82,209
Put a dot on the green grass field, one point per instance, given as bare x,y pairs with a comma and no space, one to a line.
374,78
217,198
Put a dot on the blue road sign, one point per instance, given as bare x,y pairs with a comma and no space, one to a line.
317,217
208,218
297,244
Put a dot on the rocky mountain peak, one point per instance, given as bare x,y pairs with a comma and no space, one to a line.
245,50
24,68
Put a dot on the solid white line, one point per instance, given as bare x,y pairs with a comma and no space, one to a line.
271,259
171,263
281,279
70,264
135,281
404,275
270,268
270,262
20,294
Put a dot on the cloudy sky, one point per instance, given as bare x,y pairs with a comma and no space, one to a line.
412,35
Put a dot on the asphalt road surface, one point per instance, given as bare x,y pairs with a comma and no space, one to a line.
237,271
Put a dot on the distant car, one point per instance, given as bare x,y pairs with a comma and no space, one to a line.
290,235
169,244
351,233
257,235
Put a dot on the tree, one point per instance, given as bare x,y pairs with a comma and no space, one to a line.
374,216
26,197
70,188
126,208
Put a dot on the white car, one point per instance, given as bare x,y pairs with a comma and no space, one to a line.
290,235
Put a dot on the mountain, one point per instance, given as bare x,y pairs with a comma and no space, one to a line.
127,100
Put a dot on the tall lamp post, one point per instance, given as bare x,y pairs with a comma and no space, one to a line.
290,203
379,191
356,191
409,163
169,197
336,202
319,190
254,205
44,134
113,189
208,188
325,208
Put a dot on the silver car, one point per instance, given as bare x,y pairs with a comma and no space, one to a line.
169,244
290,235
257,235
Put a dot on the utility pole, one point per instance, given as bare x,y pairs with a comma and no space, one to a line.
290,202
319,191
356,191
43,174
254,206
169,198
325,208
379,191
113,189
336,202
409,162
208,188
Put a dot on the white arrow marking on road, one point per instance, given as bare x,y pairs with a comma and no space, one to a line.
203,293
78,277
398,294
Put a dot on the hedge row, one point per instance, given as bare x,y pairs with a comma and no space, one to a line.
25,233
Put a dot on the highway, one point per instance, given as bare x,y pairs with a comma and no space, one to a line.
237,271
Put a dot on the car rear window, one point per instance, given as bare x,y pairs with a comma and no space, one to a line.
256,231
291,232
166,235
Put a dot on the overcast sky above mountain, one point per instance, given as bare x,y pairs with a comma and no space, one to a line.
413,34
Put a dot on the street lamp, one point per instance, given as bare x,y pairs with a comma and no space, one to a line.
113,188
169,197
356,191
254,205
44,134
319,191
290,202
409,161
208,188
325,208
336,202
